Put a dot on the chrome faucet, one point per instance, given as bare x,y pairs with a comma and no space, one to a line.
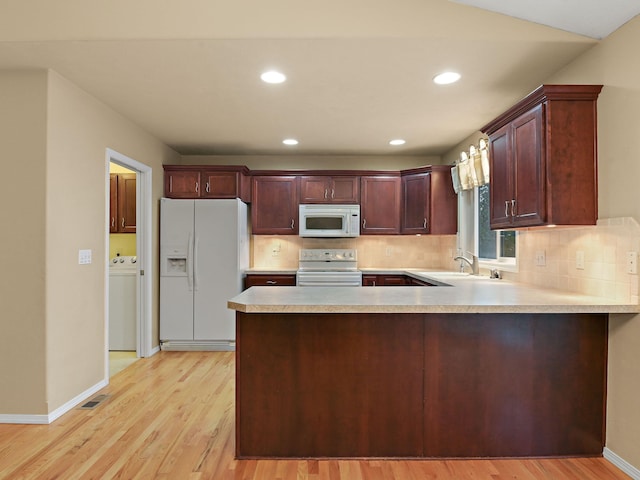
473,263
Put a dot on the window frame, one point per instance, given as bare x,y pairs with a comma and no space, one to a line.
509,264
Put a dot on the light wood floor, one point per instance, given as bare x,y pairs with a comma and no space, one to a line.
119,360
171,416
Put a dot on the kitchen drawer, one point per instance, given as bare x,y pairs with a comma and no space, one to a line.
270,280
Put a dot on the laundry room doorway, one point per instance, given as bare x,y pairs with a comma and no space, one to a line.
128,286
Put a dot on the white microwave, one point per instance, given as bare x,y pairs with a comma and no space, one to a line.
329,221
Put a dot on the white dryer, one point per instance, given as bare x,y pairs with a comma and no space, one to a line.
123,271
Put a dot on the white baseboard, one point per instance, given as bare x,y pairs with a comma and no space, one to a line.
622,464
153,351
25,419
57,413
199,345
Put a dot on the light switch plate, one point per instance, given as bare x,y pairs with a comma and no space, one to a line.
84,257
580,260
541,258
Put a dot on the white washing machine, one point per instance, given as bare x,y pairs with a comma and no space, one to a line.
123,272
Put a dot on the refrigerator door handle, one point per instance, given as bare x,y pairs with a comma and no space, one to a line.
190,263
195,264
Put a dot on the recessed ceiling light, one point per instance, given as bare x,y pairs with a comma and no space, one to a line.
290,141
273,77
446,78
397,141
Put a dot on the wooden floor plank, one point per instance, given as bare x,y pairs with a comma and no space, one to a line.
171,416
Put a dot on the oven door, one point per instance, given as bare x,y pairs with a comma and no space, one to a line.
329,279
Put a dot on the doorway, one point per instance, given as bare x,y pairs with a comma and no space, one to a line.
127,244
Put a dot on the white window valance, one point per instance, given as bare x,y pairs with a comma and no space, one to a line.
472,169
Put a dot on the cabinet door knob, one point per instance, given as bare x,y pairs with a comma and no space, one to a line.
292,223
506,208
333,193
208,187
122,222
513,208
325,193
271,282
364,223
424,225
197,186
113,222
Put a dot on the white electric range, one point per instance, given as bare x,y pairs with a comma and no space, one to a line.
328,267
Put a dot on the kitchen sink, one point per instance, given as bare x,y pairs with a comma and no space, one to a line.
443,277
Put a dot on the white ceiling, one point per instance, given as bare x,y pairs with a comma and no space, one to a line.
593,18
359,72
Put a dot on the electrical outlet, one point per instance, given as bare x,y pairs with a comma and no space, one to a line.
84,257
541,258
580,260
632,263
275,249
388,251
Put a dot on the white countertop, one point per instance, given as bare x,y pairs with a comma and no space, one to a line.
464,294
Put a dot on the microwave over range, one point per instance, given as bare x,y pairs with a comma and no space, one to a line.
329,221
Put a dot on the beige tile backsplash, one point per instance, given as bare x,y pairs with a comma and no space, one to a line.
604,247
374,251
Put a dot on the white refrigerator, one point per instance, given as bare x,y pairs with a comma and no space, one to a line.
204,251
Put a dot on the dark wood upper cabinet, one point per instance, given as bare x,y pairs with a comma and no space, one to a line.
122,208
443,204
274,208
329,189
181,183
543,159
220,184
206,181
429,203
380,202
113,203
416,201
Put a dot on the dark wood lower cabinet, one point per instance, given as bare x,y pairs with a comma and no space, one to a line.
270,280
420,385
392,280
515,385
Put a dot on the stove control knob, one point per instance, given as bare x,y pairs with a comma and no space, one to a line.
134,259
121,260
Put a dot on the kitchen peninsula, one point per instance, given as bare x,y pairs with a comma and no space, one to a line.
471,368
